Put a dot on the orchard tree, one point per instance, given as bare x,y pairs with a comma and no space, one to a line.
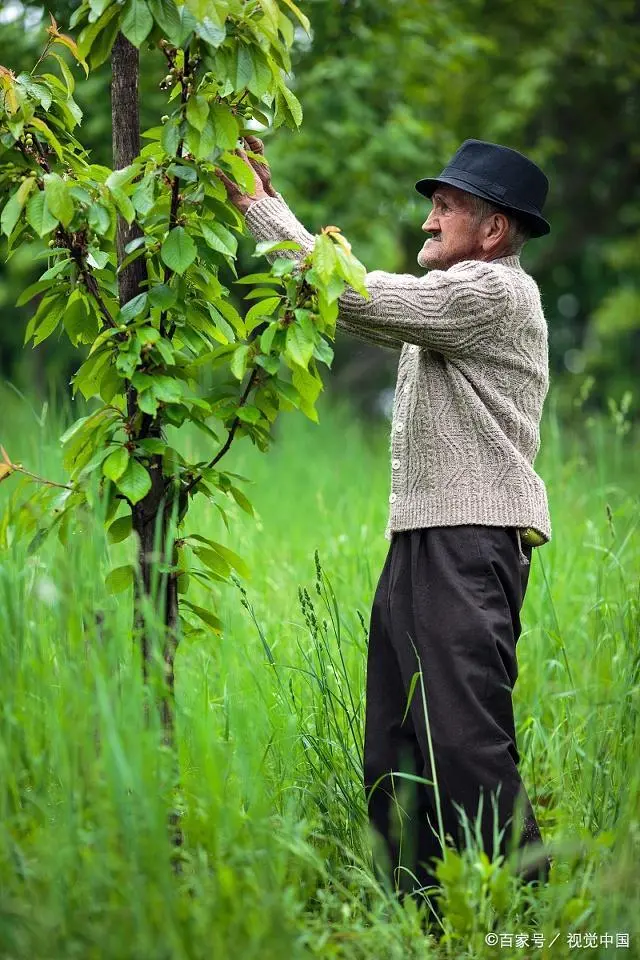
133,257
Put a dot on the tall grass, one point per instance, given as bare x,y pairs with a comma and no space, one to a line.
275,860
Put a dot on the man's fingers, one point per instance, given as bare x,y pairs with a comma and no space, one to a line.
232,188
260,167
254,143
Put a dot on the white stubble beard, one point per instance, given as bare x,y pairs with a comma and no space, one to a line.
422,262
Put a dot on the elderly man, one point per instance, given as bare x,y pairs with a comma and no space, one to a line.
466,509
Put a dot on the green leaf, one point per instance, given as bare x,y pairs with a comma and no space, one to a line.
208,618
14,207
266,337
89,377
232,559
270,246
123,203
136,22
31,291
299,14
39,217
46,319
135,482
163,296
187,23
120,579
81,324
214,562
90,33
148,402
133,308
100,258
219,238
66,73
121,177
258,278
202,145
197,111
99,219
299,348
59,200
166,15
143,196
352,271
230,313
260,293
116,464
243,502
243,73
264,308
239,359
249,414
49,136
182,172
178,250
288,106
242,173
167,389
225,127
324,257
210,32
323,352
120,529
10,214
152,445
61,266
308,386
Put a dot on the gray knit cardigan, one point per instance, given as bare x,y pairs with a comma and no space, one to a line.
472,379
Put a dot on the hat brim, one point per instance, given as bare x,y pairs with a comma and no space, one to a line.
538,226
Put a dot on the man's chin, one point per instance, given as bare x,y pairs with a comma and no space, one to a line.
429,259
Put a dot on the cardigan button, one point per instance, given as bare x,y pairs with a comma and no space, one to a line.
395,463
399,426
392,498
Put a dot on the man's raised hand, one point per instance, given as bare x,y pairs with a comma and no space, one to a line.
259,164
261,176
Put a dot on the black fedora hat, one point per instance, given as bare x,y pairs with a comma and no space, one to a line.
499,174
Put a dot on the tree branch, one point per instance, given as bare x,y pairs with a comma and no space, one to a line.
230,436
18,468
175,189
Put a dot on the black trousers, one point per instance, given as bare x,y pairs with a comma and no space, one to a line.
447,604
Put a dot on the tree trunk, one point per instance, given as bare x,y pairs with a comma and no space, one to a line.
150,515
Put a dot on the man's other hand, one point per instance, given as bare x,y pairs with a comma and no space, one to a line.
261,176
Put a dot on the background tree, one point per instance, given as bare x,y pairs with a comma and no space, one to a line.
397,90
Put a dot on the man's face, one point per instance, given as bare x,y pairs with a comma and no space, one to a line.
456,234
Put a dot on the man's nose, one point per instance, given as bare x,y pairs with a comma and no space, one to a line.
430,223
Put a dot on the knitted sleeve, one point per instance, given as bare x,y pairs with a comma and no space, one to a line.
271,219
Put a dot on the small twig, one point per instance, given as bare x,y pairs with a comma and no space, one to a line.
232,432
44,53
18,468
91,284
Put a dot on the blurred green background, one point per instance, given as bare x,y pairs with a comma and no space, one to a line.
269,715
389,91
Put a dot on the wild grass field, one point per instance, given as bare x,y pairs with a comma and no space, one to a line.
275,856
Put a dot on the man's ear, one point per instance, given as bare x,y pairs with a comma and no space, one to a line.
496,228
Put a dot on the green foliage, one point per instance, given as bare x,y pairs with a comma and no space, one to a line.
270,710
226,64
390,90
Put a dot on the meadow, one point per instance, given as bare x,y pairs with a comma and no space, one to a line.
275,858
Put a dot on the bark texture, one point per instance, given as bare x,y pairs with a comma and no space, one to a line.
150,515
